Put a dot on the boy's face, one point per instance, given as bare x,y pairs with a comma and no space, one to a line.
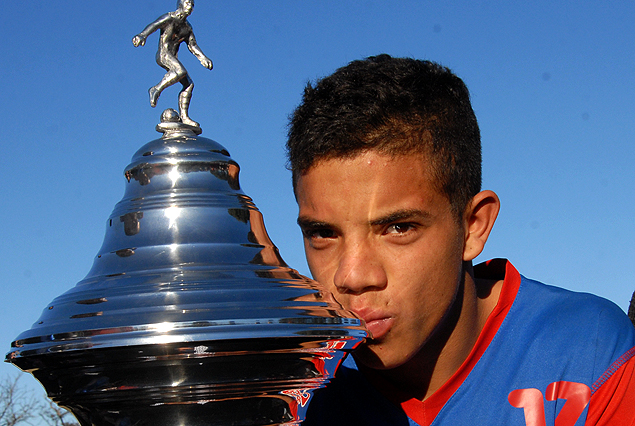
386,243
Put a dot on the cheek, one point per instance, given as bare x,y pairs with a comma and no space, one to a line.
426,275
318,265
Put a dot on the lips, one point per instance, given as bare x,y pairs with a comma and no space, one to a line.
378,323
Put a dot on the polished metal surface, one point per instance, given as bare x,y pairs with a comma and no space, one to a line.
189,316
175,29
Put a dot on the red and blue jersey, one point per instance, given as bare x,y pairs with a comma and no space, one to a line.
546,357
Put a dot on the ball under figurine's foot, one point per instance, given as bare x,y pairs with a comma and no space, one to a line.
154,96
170,116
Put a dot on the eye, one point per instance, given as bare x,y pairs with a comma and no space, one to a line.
318,233
399,228
319,238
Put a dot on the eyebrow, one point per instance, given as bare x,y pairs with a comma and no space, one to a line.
305,222
401,215
392,217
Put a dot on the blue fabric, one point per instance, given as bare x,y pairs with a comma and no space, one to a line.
549,335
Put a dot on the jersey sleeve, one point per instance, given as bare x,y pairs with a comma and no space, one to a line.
613,401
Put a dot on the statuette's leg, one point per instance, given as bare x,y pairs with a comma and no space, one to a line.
170,78
154,96
184,101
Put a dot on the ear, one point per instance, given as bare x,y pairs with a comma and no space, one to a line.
480,216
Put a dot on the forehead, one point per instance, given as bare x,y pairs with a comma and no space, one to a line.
368,164
370,181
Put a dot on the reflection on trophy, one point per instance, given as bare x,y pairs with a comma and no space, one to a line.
189,315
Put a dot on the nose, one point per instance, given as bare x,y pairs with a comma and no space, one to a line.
359,270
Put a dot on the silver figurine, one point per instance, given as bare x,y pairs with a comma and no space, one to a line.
175,29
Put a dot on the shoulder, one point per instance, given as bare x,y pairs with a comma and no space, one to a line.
551,329
565,310
165,17
534,310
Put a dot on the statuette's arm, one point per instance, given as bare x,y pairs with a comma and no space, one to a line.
196,51
140,39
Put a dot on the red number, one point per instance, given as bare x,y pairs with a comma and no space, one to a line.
532,402
577,395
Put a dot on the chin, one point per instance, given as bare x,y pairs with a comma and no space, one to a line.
369,358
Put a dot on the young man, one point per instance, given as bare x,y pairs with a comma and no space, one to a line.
386,163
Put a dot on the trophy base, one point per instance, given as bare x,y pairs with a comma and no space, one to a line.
173,127
245,382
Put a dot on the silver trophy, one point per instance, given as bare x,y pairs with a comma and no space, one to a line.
189,316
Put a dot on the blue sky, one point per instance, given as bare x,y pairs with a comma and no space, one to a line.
551,83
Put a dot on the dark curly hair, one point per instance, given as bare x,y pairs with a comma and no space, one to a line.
396,106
